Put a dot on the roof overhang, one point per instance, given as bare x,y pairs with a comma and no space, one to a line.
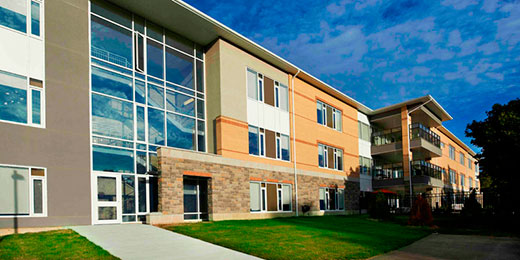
450,135
430,103
191,23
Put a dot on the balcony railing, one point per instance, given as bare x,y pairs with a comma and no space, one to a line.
420,131
423,168
387,173
386,136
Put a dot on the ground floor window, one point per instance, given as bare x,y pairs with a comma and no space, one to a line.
332,199
23,191
270,197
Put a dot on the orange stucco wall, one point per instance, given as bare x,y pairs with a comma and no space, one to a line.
447,163
309,133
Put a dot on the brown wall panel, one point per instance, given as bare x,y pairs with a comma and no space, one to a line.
269,91
270,144
271,197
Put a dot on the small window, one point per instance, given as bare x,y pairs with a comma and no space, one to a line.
267,143
461,158
35,18
252,84
328,116
330,157
139,52
332,199
469,163
14,14
270,197
253,140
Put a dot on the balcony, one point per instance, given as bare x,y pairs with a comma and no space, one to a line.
387,144
424,143
387,175
426,173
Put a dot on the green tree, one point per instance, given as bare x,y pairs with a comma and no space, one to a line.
498,136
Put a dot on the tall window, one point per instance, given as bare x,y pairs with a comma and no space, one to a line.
470,182
23,191
267,90
147,86
330,157
328,116
462,180
21,99
365,165
266,143
266,196
453,176
461,158
332,199
469,163
364,131
452,152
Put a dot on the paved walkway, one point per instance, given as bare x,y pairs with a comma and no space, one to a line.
136,241
438,246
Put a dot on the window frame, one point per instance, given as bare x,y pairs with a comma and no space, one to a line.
263,203
336,115
327,198
31,192
28,17
336,152
262,145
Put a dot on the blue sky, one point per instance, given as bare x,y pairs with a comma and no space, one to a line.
465,53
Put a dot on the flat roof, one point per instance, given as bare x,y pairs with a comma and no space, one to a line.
186,20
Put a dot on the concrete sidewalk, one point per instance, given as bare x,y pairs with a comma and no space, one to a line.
437,246
136,241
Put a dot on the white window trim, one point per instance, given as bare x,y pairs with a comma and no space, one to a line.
263,204
31,192
335,113
325,157
28,27
327,195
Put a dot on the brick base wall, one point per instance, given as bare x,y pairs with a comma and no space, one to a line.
228,189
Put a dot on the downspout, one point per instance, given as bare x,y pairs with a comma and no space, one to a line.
410,157
294,142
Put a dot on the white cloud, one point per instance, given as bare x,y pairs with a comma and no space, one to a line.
459,4
489,6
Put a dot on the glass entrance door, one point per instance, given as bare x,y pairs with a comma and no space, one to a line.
195,199
107,207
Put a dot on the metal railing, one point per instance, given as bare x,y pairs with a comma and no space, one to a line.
111,57
418,130
387,173
423,168
387,136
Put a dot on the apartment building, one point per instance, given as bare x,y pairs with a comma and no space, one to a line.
151,111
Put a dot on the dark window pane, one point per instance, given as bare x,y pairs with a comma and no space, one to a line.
112,117
179,68
200,109
128,193
139,23
38,196
112,12
201,137
180,103
110,159
319,113
154,31
181,131
200,77
155,59
153,188
141,133
13,97
111,83
253,140
111,42
153,163
140,162
190,197
155,126
142,194
107,213
13,15
179,42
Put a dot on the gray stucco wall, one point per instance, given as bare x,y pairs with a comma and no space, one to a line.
63,146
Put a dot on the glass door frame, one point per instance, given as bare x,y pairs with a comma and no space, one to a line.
117,203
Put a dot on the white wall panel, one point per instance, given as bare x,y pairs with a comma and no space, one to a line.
267,117
36,61
364,148
285,126
252,112
363,118
13,52
365,183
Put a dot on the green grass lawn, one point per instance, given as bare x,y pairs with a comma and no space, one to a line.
327,237
60,244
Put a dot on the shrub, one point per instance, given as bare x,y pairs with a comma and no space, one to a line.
378,207
421,213
471,206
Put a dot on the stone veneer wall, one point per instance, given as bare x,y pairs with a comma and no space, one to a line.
228,186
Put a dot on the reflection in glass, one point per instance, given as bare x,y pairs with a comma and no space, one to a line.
142,194
141,126
38,196
155,126
253,140
179,68
111,83
107,213
140,161
200,77
111,159
153,163
13,97
128,191
106,188
200,109
155,96
111,42
112,117
140,92
180,103
13,15
201,140
35,18
154,56
181,131
36,106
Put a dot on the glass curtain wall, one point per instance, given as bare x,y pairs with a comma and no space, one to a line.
147,91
